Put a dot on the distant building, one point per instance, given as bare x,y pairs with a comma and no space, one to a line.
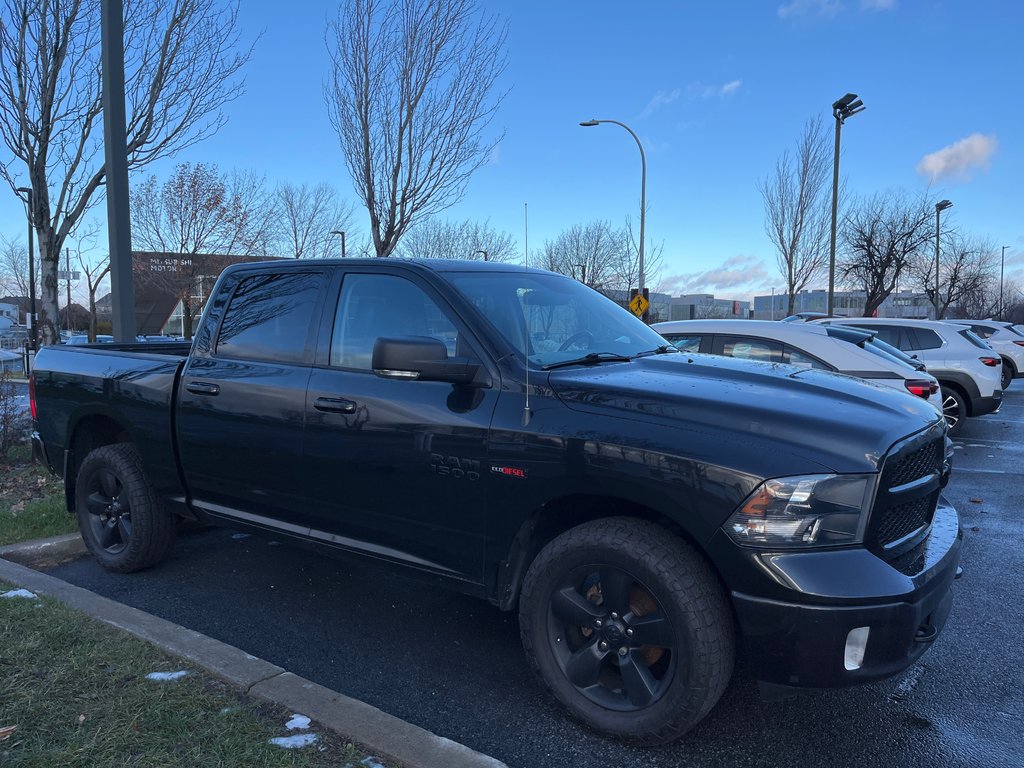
906,304
159,282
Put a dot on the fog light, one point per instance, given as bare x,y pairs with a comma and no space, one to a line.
856,644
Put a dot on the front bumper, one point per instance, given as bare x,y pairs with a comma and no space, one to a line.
904,604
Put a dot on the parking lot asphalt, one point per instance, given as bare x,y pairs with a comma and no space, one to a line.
453,664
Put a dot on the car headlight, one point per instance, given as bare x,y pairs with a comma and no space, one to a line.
804,511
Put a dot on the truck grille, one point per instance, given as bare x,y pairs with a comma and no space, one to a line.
899,511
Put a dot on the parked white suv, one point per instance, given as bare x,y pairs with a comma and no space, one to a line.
969,371
1005,340
842,350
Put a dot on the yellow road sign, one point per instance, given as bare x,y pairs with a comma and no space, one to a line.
638,305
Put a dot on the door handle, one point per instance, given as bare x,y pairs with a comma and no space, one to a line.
334,405
202,388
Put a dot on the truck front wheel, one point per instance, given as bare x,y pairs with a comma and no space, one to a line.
121,519
629,628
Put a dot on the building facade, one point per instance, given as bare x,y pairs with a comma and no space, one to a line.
905,304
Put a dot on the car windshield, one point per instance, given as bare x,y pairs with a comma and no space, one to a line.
555,320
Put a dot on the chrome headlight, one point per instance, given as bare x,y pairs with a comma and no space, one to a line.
804,511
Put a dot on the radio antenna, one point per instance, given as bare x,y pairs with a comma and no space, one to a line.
526,308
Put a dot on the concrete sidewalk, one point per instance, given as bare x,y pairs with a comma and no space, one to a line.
381,733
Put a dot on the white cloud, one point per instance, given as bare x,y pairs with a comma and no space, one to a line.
659,100
735,274
877,5
826,9
704,91
959,158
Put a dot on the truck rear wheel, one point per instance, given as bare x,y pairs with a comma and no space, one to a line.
629,628
121,519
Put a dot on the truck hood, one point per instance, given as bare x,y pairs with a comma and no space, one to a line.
774,411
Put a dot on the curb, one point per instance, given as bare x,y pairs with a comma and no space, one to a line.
39,551
383,734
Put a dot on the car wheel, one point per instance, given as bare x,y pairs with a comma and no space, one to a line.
954,409
1007,375
121,519
629,629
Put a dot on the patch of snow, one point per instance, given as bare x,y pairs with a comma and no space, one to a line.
295,742
167,675
298,722
20,593
370,762
228,710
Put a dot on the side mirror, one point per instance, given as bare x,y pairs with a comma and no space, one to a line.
420,358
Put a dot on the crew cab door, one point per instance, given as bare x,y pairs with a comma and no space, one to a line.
396,468
242,398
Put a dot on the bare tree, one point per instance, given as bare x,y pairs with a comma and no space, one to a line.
308,218
95,270
967,275
437,239
410,97
181,66
198,212
14,267
591,253
797,213
882,237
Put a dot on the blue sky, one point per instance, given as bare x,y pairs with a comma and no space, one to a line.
715,90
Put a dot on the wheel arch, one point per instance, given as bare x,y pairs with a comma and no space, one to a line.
89,433
559,515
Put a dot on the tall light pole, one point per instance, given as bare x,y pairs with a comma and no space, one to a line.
939,208
485,253
339,232
583,272
841,109
32,332
1002,263
643,189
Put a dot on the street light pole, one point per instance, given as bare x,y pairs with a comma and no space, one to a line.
339,232
643,190
485,253
841,109
1002,263
33,333
939,208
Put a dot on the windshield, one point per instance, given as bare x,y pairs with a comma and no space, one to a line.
553,319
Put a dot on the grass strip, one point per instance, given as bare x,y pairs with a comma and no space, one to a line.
76,693
31,500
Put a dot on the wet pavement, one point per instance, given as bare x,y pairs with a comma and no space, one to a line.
454,665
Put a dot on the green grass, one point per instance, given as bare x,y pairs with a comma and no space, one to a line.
76,690
31,500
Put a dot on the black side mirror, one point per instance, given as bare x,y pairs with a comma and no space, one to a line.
421,358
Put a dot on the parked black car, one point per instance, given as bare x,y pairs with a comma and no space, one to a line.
528,441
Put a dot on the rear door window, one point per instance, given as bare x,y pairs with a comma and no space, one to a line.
800,359
270,318
922,338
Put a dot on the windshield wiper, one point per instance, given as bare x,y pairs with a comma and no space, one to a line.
664,349
591,359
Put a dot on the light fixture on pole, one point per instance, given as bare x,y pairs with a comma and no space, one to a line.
583,272
33,333
1002,263
339,232
939,208
485,253
842,108
643,192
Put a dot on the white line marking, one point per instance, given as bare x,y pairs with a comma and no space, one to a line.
981,471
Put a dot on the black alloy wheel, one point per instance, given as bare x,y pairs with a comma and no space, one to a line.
611,638
954,409
1007,378
121,518
628,626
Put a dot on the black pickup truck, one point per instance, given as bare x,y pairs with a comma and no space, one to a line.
528,441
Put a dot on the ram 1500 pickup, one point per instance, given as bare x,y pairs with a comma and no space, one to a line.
527,440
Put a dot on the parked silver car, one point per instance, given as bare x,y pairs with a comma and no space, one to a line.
842,350
968,369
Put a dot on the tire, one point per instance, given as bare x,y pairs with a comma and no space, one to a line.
121,519
629,628
954,409
1007,375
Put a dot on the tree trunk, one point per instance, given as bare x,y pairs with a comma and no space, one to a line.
186,319
92,314
46,304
